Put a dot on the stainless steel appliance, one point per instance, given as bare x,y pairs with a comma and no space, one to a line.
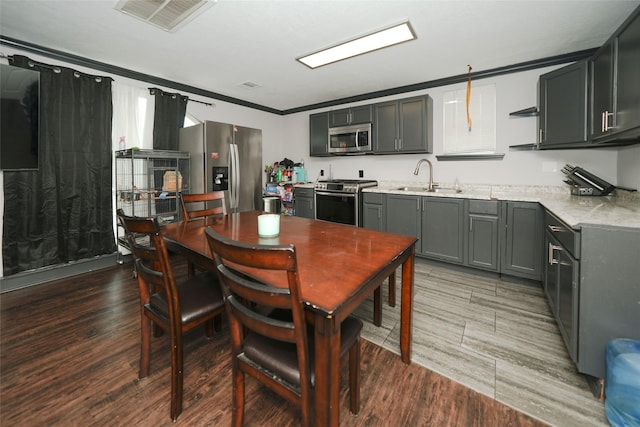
340,200
226,157
352,139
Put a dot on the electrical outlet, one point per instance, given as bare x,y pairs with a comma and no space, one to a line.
361,173
321,172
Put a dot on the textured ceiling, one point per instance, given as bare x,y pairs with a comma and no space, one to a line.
237,41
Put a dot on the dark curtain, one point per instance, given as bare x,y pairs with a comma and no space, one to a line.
63,212
170,109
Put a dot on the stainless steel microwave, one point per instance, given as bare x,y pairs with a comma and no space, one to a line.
350,139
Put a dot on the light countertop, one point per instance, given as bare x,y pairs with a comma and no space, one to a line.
621,210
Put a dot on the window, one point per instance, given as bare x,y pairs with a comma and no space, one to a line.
132,117
190,120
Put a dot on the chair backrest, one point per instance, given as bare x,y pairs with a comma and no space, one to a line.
211,203
247,299
151,258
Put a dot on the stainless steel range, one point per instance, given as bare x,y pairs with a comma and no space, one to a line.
340,200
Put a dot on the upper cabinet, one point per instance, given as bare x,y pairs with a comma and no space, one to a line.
563,107
403,126
319,134
615,86
350,116
399,126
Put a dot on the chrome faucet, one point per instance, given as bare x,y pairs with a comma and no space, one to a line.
415,172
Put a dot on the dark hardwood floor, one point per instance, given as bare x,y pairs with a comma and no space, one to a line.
69,356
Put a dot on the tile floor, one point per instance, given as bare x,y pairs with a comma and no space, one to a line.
494,336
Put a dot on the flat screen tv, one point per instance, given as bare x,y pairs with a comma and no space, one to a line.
19,118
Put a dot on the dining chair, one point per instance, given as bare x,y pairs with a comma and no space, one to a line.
165,304
200,205
211,203
270,338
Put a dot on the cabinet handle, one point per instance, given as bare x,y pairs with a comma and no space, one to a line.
540,136
602,121
470,224
606,116
552,248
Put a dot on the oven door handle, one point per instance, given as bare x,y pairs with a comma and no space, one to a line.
332,194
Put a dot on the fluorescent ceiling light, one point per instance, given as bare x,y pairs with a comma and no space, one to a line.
378,40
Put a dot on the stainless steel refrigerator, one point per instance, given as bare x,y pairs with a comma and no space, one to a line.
227,158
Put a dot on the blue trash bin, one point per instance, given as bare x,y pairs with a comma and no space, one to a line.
622,385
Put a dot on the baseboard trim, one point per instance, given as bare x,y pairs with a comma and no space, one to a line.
46,274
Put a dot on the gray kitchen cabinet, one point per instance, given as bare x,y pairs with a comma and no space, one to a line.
403,126
351,116
319,134
373,211
608,293
615,97
303,202
403,214
522,237
561,278
563,107
591,283
482,243
442,229
385,127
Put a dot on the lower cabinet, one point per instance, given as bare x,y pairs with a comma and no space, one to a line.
561,287
442,229
373,211
522,240
608,293
304,202
482,243
403,215
504,237
591,283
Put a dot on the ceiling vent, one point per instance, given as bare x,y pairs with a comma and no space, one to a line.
170,15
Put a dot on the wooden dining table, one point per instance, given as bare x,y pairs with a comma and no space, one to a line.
339,267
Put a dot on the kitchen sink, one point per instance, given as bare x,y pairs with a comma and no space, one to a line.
434,190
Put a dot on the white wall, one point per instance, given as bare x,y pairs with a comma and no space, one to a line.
513,92
629,167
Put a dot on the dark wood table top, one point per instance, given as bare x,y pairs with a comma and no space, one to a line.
335,261
339,267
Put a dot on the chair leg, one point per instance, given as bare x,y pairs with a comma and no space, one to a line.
176,376
145,346
354,378
157,331
392,289
238,395
377,307
208,328
212,326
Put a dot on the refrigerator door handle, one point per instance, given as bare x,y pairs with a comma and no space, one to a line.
232,179
234,192
238,174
